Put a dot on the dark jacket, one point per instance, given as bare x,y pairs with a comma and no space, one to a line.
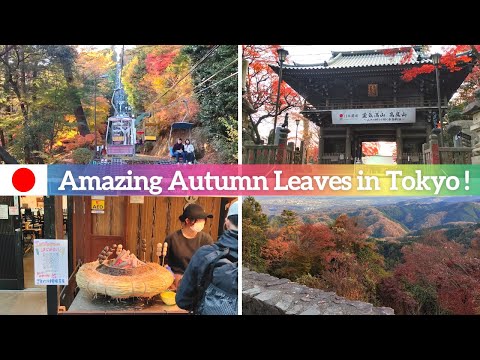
187,292
177,147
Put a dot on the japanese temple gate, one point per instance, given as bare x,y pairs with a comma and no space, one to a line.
359,96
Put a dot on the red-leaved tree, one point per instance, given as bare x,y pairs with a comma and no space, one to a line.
262,85
436,277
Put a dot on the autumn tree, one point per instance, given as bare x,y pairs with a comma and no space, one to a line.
65,56
91,66
453,59
338,257
151,81
34,100
156,80
262,86
40,101
289,222
437,277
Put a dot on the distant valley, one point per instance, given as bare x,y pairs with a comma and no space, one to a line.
385,217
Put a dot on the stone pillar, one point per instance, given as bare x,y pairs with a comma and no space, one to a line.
475,128
348,146
432,147
355,148
399,145
282,145
321,144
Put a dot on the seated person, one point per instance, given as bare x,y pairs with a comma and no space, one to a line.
183,243
189,152
28,214
178,150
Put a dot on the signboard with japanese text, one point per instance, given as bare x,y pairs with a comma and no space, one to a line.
98,206
136,199
50,261
374,116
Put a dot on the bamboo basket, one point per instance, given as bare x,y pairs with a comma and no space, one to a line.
145,281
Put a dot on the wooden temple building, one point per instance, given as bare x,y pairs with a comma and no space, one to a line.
359,96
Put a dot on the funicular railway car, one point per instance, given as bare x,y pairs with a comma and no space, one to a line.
121,136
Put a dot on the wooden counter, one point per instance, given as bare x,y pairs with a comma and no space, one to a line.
84,304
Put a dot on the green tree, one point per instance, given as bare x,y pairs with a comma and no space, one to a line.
217,97
254,225
251,209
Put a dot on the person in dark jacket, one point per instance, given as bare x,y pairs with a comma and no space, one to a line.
178,150
187,294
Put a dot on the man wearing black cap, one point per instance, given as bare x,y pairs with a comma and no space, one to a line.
183,243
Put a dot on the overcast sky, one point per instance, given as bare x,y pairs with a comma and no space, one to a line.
314,54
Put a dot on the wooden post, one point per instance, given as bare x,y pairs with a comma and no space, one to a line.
399,145
348,146
71,252
321,144
49,233
303,158
59,234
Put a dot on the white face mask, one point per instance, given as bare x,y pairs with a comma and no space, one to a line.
198,226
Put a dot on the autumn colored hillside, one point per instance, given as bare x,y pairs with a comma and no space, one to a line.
371,255
55,99
187,83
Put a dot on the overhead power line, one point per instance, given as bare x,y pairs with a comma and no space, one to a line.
204,81
198,92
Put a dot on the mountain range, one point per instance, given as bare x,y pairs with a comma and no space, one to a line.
385,217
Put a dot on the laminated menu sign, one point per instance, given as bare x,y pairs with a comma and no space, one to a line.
50,261
3,212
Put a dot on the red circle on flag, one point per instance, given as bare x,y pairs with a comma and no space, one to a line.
341,115
23,180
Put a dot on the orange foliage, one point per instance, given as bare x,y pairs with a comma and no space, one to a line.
453,59
274,250
79,141
262,84
157,63
338,257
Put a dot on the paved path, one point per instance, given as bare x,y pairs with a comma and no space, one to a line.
24,302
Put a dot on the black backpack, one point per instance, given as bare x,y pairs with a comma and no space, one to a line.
218,288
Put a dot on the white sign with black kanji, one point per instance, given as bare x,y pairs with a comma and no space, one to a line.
374,116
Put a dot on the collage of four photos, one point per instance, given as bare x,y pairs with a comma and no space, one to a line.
187,106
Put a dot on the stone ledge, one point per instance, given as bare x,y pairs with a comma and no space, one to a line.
263,294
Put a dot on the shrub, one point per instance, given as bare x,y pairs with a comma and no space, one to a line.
82,156
147,147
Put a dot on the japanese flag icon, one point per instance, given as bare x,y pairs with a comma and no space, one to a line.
23,180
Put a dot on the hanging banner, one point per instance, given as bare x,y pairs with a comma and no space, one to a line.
50,261
374,116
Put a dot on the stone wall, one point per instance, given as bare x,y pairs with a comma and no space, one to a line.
263,294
